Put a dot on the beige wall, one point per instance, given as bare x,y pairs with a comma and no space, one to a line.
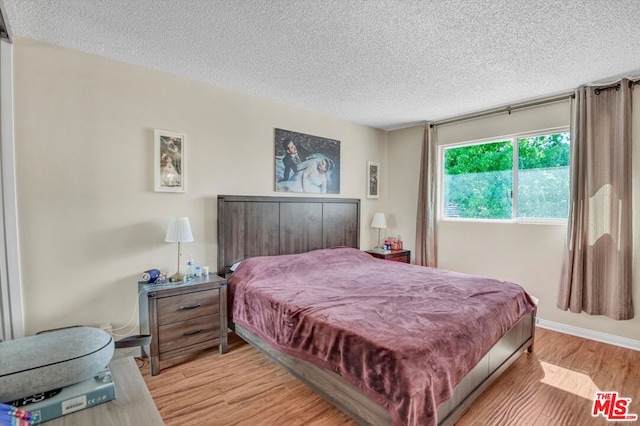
528,254
89,220
90,223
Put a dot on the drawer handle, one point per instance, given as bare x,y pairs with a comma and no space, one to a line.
191,333
184,308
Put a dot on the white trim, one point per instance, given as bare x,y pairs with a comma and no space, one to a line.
541,221
589,334
518,221
515,170
11,310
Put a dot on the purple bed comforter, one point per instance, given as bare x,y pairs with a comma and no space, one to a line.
404,334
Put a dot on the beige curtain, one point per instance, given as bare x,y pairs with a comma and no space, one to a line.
426,223
596,272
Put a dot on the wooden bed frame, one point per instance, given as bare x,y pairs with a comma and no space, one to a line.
258,226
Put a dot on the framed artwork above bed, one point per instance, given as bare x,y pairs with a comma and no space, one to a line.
306,163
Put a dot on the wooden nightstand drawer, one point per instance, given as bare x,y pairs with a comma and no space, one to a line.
188,306
404,258
183,319
186,333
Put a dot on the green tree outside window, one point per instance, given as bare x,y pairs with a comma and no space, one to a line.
479,178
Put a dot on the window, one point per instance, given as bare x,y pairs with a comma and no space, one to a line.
521,177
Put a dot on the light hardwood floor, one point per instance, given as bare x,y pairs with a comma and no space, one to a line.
553,386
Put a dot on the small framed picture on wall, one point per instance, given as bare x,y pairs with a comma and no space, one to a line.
373,179
169,161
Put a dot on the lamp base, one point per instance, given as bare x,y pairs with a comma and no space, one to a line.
176,277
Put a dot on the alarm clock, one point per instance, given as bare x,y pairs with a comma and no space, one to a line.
150,276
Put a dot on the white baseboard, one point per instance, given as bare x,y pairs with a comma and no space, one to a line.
589,334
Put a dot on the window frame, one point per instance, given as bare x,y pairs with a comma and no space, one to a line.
513,138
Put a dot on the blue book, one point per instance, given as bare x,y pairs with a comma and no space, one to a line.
69,399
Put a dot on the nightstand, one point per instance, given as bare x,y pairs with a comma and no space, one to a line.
395,255
183,319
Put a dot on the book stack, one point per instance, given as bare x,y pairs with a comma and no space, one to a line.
381,250
59,402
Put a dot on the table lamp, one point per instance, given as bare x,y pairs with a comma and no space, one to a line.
380,222
179,231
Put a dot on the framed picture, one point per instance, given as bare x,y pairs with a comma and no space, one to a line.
306,163
169,161
373,179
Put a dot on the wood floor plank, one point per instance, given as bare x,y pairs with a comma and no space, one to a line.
566,408
519,397
552,386
543,420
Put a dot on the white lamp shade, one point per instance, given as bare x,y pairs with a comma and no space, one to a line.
379,221
179,231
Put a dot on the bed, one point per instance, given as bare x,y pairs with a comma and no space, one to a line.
372,378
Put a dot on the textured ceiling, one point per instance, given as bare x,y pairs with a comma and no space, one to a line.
386,64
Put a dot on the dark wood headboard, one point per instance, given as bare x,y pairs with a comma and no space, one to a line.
265,226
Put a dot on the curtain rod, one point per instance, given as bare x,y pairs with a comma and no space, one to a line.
507,109
615,86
